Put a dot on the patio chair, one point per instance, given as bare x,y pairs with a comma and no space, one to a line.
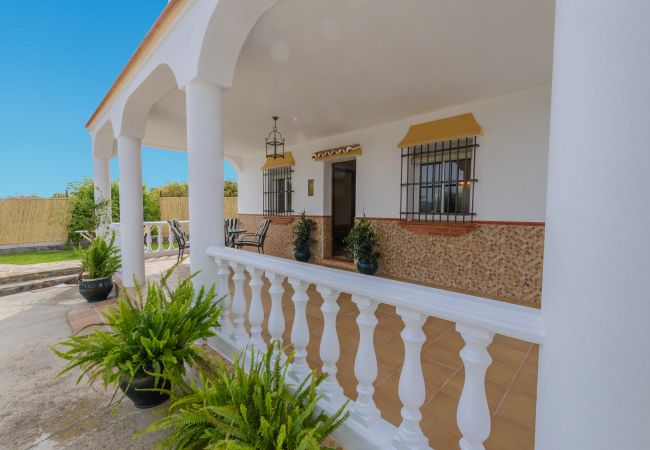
255,239
181,238
229,224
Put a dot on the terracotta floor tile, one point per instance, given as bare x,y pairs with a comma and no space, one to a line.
441,411
507,435
525,383
530,365
451,340
439,438
500,374
435,327
518,408
442,355
512,343
507,355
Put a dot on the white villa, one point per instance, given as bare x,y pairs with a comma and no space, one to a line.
487,142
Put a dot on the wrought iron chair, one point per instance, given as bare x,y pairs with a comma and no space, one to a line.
230,224
182,239
255,239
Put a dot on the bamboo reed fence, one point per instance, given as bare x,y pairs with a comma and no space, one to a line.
178,208
34,220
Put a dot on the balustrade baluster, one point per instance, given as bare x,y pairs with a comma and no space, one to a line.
159,238
147,230
473,415
329,346
365,363
223,293
239,334
300,329
411,390
256,310
276,317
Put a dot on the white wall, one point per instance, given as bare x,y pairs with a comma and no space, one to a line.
511,162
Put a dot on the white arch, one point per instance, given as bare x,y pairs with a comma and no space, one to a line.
133,118
103,141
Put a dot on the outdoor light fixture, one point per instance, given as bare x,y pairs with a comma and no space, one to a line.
275,142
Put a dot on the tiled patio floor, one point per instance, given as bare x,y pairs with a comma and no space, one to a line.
511,379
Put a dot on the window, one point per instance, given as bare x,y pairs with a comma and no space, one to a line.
277,190
437,181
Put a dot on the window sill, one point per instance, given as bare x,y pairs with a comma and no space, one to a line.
451,229
279,220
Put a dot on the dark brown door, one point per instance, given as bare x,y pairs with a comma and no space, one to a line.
343,197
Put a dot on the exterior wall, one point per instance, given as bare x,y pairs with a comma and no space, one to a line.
501,258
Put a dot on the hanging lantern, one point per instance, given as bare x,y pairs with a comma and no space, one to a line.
275,142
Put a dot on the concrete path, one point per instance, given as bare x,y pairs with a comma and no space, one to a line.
38,410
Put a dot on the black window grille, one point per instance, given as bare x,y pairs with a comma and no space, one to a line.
438,181
277,191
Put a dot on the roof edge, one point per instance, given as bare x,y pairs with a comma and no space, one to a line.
156,31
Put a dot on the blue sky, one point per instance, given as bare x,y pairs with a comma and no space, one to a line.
57,60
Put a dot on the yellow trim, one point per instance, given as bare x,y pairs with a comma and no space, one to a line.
339,152
274,163
464,125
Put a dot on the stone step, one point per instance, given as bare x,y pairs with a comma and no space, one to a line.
30,285
38,275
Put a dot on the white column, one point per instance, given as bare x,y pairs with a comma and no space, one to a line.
330,350
131,209
205,167
412,391
102,182
256,310
239,333
473,415
300,329
365,363
593,389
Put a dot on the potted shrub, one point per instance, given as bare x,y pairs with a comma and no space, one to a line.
251,406
302,239
361,245
145,342
98,264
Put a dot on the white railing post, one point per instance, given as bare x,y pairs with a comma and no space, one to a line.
159,238
223,294
473,414
329,346
365,363
170,238
411,390
256,309
300,329
276,317
147,229
239,334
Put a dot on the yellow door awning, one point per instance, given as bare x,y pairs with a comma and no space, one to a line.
338,152
456,127
274,163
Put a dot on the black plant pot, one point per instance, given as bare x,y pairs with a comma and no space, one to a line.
302,254
367,267
134,388
96,289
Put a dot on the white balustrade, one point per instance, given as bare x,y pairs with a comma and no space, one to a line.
411,389
223,293
329,346
300,329
256,310
477,320
473,414
148,239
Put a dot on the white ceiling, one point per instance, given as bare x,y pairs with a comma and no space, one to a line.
327,67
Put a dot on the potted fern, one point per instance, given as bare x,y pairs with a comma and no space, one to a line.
302,239
361,245
144,343
251,406
98,264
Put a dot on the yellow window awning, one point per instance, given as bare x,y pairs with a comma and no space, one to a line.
338,152
456,127
274,163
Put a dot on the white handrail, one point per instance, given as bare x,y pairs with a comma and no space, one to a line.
520,322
